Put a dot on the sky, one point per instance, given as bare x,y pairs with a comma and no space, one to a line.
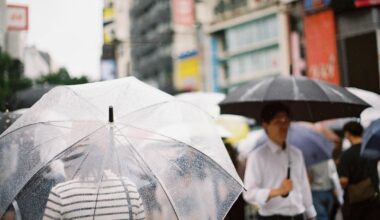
69,30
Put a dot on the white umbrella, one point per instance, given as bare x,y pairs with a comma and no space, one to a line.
208,101
369,114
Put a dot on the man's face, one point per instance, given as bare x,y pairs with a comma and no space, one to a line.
277,128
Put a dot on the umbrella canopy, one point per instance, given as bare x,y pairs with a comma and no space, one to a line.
371,141
369,114
164,150
308,100
314,146
366,117
208,101
26,98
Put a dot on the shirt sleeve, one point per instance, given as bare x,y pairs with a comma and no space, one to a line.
252,181
306,192
335,179
54,206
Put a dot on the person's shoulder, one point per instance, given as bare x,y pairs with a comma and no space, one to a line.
258,151
65,185
295,150
351,151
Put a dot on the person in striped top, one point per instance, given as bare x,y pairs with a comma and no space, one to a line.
111,198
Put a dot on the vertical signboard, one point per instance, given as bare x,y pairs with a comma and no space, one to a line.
183,12
17,18
321,47
188,74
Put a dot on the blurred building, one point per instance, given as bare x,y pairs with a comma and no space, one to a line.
164,44
3,17
249,39
115,60
14,26
37,63
17,25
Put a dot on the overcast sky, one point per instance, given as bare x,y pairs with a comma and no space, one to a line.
69,30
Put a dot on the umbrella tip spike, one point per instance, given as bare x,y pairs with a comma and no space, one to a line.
110,114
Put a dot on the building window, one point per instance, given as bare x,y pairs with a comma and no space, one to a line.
251,33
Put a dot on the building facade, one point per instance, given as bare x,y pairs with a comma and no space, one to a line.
37,63
115,60
165,47
249,40
3,17
348,53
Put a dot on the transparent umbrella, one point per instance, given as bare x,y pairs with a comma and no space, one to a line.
148,158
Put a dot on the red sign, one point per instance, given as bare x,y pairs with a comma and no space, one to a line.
321,48
17,18
183,12
365,3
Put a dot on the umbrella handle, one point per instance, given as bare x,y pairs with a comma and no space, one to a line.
288,177
110,114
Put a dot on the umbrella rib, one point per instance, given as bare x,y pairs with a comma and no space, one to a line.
99,186
85,100
40,122
145,107
80,165
121,93
267,91
146,165
323,90
185,144
123,183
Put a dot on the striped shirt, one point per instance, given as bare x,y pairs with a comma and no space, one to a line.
114,198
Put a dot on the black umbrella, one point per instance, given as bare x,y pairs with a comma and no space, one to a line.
308,99
26,98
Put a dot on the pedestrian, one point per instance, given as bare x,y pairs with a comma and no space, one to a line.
275,176
324,183
359,178
93,190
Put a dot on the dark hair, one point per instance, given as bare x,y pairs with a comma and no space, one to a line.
271,109
354,128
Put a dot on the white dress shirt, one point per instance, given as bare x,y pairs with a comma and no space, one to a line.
266,169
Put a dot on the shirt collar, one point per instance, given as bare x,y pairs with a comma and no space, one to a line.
274,147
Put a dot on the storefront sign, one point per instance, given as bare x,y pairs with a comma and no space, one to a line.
17,18
188,75
183,12
313,5
321,48
366,3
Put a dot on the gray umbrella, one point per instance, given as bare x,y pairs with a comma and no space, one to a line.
308,99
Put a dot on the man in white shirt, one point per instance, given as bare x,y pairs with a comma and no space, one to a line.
275,176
